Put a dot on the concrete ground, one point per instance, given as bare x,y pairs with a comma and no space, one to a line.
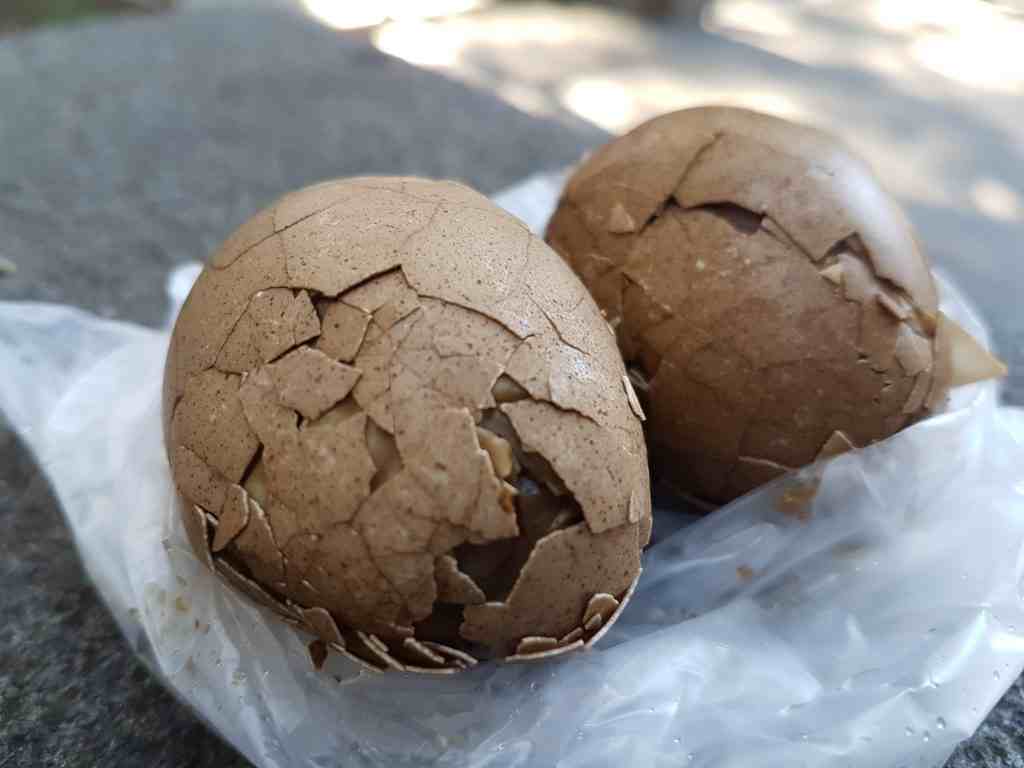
929,92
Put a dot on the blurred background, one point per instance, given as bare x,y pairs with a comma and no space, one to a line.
930,91
923,88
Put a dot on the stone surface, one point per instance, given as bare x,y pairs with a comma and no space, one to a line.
71,692
133,145
999,742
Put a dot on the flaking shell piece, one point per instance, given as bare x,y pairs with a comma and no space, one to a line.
234,517
454,586
530,645
457,657
197,481
196,530
372,649
764,287
610,619
413,649
837,444
309,382
963,357
572,637
322,624
571,556
547,654
602,605
400,423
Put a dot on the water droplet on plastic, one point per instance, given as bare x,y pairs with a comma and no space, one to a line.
533,686
963,576
940,723
579,735
995,674
501,747
804,736
691,757
909,731
677,741
926,736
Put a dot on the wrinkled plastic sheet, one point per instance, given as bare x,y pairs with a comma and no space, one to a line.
876,630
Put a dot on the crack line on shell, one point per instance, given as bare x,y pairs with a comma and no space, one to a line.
564,408
748,425
403,192
520,278
554,469
476,498
405,241
829,172
399,597
298,285
789,239
234,325
403,601
844,246
469,308
320,533
860,306
273,217
697,157
340,298
554,327
758,370
428,201
443,395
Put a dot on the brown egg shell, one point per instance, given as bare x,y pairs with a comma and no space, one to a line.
234,517
766,291
411,426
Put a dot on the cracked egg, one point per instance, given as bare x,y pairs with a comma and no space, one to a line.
398,419
770,298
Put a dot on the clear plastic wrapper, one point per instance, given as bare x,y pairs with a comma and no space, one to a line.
877,627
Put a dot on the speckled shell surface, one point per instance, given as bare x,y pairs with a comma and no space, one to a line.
398,419
769,297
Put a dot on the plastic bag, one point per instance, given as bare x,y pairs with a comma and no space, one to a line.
877,631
